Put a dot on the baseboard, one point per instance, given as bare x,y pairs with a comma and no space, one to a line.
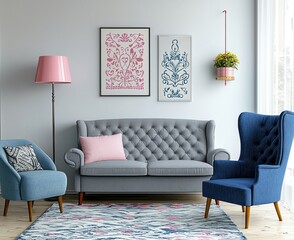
74,192
67,192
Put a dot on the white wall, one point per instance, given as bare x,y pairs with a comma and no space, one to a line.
71,27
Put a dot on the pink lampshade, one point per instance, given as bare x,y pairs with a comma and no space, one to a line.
53,69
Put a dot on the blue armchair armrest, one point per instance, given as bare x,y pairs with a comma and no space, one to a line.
226,169
74,157
12,179
267,176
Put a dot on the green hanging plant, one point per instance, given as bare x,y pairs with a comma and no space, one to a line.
226,59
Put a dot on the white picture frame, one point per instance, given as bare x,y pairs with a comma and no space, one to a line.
124,61
174,68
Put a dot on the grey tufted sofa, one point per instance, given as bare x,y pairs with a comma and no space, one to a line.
163,156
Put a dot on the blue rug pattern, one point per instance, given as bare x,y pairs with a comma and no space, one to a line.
133,221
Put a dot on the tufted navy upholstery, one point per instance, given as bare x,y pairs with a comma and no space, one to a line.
257,177
259,136
156,139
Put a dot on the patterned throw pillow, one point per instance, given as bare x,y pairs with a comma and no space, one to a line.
22,158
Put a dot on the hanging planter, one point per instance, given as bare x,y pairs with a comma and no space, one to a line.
225,64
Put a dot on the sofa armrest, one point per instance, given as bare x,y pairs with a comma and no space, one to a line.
74,157
217,154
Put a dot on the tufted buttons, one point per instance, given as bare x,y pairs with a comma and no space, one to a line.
267,144
261,152
199,153
277,132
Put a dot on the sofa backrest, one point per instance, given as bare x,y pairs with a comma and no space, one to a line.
156,139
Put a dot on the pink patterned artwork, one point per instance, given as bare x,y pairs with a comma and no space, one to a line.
124,62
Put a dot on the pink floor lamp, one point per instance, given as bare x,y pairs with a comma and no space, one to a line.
53,70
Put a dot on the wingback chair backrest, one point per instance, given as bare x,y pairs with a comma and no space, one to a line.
287,137
266,139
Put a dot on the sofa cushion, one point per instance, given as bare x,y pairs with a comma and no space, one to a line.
103,148
179,168
115,168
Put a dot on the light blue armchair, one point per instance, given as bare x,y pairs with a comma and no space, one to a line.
30,185
257,177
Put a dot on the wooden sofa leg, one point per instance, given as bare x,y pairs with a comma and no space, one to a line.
208,202
278,211
81,197
216,202
60,204
30,208
247,216
6,205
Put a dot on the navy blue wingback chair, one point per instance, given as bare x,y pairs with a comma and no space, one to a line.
30,185
258,175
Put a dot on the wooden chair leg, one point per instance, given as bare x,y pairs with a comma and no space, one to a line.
278,211
30,208
208,202
6,205
216,202
247,216
243,208
60,204
81,197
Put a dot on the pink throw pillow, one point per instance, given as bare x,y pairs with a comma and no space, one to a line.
103,148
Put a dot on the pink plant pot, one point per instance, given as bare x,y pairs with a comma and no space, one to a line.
225,72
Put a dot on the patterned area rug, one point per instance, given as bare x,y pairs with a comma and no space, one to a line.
129,221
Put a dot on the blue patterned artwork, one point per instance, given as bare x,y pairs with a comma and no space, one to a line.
174,68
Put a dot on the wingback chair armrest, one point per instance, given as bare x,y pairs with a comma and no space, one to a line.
74,157
268,184
226,169
262,167
217,154
263,172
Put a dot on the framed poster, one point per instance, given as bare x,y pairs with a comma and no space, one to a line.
174,68
124,61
